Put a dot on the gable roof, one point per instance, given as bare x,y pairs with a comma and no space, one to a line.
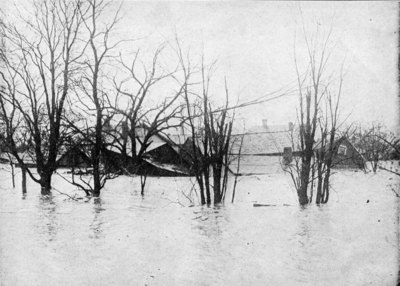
260,140
155,141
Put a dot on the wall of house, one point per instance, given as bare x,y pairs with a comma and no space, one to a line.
352,158
259,165
74,158
165,154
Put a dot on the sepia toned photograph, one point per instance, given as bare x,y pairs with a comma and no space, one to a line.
199,143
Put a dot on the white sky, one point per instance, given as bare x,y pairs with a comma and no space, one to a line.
254,42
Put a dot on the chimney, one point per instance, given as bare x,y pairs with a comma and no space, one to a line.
265,123
291,125
287,155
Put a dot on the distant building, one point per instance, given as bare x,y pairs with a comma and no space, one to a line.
162,155
267,140
73,156
267,148
347,156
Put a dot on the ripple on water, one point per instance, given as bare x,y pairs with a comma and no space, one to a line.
124,238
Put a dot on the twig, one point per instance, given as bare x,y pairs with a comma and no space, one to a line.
72,198
390,171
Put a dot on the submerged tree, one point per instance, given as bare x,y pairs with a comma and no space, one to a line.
211,132
39,60
141,118
318,124
92,94
329,145
372,142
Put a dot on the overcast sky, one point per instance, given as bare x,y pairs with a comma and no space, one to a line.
254,43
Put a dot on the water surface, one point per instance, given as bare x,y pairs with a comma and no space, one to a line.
123,238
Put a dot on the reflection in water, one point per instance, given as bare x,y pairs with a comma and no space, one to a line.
98,219
122,239
212,225
47,219
209,222
302,237
314,238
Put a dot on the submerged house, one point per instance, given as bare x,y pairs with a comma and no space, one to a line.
73,156
144,166
347,156
161,158
267,148
264,148
27,157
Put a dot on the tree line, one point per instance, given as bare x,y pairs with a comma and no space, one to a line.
57,91
65,82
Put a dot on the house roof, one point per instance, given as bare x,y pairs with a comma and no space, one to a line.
155,145
155,141
168,167
265,140
26,157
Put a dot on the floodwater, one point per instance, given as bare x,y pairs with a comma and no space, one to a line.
123,238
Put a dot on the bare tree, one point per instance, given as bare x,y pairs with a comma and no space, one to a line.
4,119
135,111
238,165
310,93
95,95
211,132
39,58
372,142
315,119
329,144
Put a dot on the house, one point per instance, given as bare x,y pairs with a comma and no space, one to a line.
266,140
267,148
161,158
347,156
73,156
27,157
165,153
146,165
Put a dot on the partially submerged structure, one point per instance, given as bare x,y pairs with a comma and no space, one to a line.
161,156
347,156
266,148
73,156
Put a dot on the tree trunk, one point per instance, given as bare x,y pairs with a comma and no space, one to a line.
312,185
201,186
207,185
45,183
97,150
23,170
132,136
96,171
143,179
374,165
12,174
319,183
302,191
326,186
217,185
96,180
